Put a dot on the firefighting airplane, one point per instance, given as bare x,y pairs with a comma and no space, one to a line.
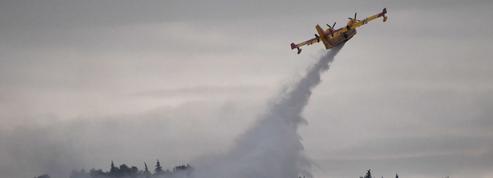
331,37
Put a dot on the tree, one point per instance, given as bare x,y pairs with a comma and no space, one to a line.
146,172
113,170
124,170
158,169
146,169
368,174
96,173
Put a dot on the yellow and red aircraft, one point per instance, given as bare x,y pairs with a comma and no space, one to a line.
332,37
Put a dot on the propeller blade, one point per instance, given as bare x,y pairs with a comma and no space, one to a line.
355,15
331,27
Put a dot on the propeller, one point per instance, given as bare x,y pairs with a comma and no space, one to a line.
331,27
355,14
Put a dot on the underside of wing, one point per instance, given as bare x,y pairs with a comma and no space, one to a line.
307,42
311,41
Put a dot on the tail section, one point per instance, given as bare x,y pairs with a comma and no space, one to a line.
323,37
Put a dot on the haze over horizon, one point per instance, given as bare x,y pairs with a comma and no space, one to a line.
86,82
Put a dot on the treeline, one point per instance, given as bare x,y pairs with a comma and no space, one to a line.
368,175
124,171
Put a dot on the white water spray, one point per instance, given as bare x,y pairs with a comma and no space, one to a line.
272,147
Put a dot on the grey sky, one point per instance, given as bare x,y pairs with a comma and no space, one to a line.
79,79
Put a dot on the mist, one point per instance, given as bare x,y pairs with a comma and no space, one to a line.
272,148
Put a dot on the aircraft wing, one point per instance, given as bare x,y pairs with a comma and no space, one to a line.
373,17
310,41
307,42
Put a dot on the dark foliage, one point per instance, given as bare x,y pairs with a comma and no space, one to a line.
368,175
43,176
124,171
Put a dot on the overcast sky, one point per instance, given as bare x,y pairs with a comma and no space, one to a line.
86,82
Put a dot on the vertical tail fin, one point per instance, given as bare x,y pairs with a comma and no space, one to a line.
323,37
